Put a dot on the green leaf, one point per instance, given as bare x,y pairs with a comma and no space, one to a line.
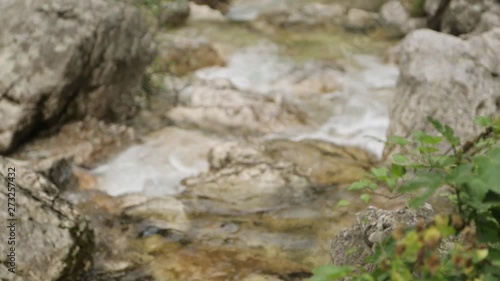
366,198
427,149
398,140
343,203
380,173
397,171
399,159
423,179
424,138
445,130
435,123
483,121
330,273
362,184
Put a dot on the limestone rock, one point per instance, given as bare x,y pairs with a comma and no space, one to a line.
308,15
463,16
374,225
60,240
397,20
180,56
86,142
219,107
68,59
360,20
371,6
272,174
173,12
446,77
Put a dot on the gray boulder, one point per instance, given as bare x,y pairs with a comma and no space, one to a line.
463,16
446,77
68,59
459,17
52,241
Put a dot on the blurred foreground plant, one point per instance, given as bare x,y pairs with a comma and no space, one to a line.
472,171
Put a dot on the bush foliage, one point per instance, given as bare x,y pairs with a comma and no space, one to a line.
472,171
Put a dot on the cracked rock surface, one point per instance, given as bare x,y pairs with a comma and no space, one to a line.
53,242
68,59
438,69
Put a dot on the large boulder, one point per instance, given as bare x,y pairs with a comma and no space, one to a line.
446,77
52,241
68,59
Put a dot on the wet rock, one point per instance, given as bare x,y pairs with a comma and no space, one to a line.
60,240
308,15
271,175
198,263
180,56
86,142
220,107
168,210
239,189
439,69
371,6
68,60
312,78
373,227
360,20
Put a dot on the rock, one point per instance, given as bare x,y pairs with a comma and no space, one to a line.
86,142
451,79
462,16
180,56
66,60
415,8
60,240
207,263
371,6
308,15
459,17
167,209
173,12
312,78
273,174
431,7
489,20
397,20
221,5
219,107
373,227
360,20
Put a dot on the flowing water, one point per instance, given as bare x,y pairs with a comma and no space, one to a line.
338,79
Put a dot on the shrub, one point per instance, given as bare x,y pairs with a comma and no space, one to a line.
472,171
